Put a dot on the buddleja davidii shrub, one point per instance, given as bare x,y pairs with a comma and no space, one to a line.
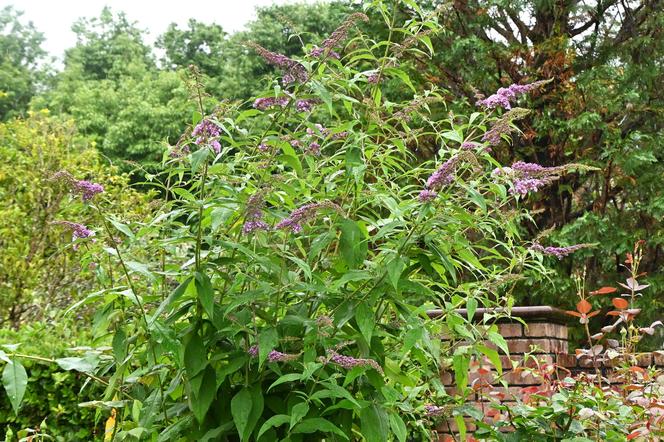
297,256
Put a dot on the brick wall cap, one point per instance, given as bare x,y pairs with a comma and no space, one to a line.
543,313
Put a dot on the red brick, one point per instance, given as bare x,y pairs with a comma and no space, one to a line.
566,360
510,330
522,377
658,359
547,330
549,346
644,360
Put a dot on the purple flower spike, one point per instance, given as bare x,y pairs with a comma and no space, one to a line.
349,362
303,214
506,95
426,196
204,132
433,410
277,356
294,71
444,175
254,214
78,230
558,252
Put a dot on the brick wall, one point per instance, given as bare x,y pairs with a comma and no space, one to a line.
545,335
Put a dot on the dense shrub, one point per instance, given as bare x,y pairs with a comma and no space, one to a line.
51,402
41,269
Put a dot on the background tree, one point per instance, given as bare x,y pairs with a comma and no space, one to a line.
603,107
20,57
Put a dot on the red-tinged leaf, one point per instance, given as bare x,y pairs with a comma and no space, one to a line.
604,291
634,434
637,369
620,303
583,306
530,390
571,313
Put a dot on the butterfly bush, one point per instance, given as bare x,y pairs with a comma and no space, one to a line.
323,236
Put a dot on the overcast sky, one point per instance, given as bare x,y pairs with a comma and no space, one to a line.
55,17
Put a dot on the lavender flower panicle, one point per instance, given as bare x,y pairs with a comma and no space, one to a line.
444,175
341,32
527,177
320,52
254,214
253,351
314,148
349,362
303,214
427,196
558,252
433,410
78,230
205,131
87,189
506,95
277,356
294,71
468,145
264,103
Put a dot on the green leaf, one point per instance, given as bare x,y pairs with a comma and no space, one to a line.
195,355
398,427
119,345
394,269
174,296
198,158
241,410
196,118
497,339
275,421
352,244
315,424
364,316
298,412
205,293
374,424
85,364
290,377
267,341
15,381
493,356
121,227
471,307
202,399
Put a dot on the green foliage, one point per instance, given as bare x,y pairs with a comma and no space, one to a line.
282,289
41,271
20,53
52,396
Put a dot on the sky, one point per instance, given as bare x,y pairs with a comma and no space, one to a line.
54,17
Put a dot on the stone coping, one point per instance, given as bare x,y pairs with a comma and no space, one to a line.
540,313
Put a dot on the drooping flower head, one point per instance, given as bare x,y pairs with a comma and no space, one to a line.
78,230
205,133
254,214
293,70
277,356
427,196
433,410
506,95
264,103
87,189
301,215
341,32
444,175
558,252
349,362
528,177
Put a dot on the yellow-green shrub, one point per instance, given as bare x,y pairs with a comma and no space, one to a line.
39,268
